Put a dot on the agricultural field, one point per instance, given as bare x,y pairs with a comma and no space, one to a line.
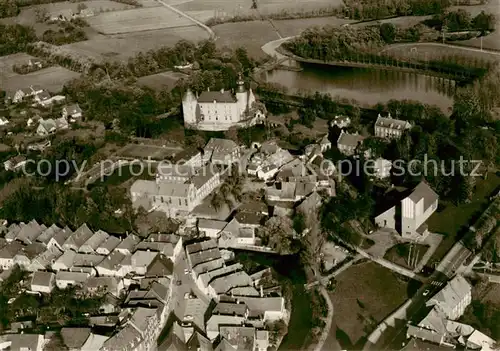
364,295
292,27
161,81
252,35
121,47
136,20
51,78
226,8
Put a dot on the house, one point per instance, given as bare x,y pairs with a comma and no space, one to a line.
267,308
75,338
127,339
42,98
199,342
223,284
108,245
78,238
3,121
210,227
190,157
141,260
15,163
24,257
221,151
453,299
161,266
65,279
204,278
72,112
45,259
387,127
7,254
43,282
112,265
47,234
12,231
127,245
104,285
35,63
325,143
341,122
240,337
409,214
216,321
25,342
49,126
92,244
30,232
145,321
348,143
382,168
59,238
64,262
261,340
21,94
39,146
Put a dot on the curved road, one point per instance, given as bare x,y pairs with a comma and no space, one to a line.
183,14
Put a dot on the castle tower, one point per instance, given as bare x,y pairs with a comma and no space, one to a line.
189,103
241,96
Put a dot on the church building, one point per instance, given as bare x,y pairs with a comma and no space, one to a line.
221,110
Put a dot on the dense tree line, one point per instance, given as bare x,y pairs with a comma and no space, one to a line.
461,20
374,9
15,38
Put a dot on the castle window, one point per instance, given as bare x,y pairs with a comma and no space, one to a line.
180,203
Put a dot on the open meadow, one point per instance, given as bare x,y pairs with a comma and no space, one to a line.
432,51
51,78
136,20
121,47
161,81
364,295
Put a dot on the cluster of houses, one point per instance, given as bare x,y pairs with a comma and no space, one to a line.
440,325
140,272
241,305
385,127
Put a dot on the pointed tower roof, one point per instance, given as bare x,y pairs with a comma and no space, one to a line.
240,83
189,96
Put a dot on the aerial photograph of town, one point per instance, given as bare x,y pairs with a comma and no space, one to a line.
255,175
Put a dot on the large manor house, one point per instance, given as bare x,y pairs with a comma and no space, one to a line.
221,110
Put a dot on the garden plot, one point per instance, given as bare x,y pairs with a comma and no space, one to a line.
137,20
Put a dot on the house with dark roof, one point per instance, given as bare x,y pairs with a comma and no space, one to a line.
43,282
348,143
387,127
221,151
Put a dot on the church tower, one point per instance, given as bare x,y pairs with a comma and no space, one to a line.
189,103
241,96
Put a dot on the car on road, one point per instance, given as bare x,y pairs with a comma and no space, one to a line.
178,282
186,271
426,292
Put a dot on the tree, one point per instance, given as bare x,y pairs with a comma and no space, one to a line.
217,201
41,14
484,22
388,32
278,234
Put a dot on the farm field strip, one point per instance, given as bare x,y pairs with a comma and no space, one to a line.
135,20
122,46
51,78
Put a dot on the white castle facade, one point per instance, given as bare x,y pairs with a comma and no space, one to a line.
221,110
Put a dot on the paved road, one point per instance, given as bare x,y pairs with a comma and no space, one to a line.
417,310
183,14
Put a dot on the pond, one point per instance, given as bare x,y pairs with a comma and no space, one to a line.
368,86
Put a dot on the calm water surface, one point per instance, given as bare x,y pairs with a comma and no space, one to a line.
367,86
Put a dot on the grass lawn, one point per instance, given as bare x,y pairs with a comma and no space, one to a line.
399,254
453,220
365,294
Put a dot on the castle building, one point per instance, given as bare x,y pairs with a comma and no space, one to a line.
221,110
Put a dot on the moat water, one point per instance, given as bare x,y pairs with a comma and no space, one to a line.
367,86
